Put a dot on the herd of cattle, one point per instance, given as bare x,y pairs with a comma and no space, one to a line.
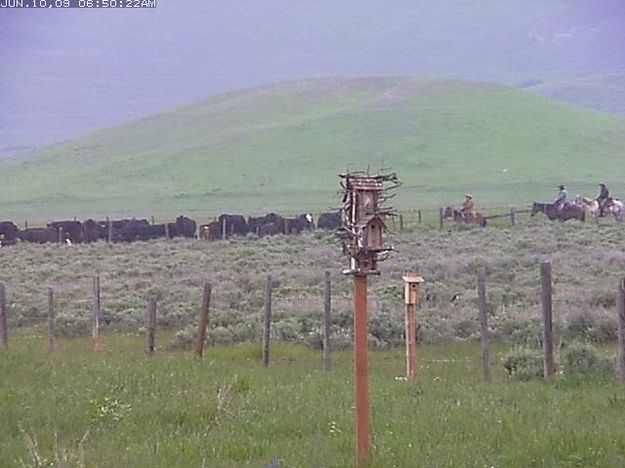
129,230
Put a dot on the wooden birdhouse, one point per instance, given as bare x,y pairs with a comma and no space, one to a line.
363,220
412,288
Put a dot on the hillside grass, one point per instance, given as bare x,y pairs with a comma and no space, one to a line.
280,148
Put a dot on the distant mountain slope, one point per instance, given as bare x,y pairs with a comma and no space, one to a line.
65,72
281,147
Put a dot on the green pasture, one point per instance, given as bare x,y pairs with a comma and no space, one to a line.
280,148
121,408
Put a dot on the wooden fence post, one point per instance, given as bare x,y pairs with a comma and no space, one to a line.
401,222
440,219
150,330
97,337
547,306
51,335
4,331
224,233
60,239
109,229
153,223
25,224
267,323
167,231
485,339
419,216
203,321
621,330
512,216
327,329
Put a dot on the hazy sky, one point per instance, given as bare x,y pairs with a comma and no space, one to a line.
63,72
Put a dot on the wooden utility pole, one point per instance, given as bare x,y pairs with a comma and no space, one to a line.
361,369
547,307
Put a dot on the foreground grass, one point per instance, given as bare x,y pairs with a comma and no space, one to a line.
120,408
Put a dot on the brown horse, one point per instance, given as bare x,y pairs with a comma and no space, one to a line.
459,217
568,211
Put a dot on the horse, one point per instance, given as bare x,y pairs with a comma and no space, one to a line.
616,207
590,206
459,217
568,211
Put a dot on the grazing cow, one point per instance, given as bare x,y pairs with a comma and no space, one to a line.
329,221
269,229
148,231
126,230
8,233
255,224
301,223
39,235
72,230
184,227
92,231
211,231
235,224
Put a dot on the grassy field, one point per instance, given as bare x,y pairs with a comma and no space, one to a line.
75,408
120,408
280,148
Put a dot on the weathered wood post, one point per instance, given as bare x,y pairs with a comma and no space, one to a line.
152,218
512,216
440,219
150,329
286,226
25,224
267,322
401,223
60,239
484,335
4,331
362,236
167,231
327,329
97,337
224,232
412,296
419,216
547,307
621,330
51,335
203,321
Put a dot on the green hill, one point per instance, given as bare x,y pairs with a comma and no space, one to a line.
281,148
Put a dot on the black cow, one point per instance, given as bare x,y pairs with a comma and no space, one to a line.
126,230
72,230
185,227
329,221
211,231
303,222
38,235
8,233
92,231
269,229
148,231
235,224
255,224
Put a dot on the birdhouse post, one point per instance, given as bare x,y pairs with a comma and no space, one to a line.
412,296
362,233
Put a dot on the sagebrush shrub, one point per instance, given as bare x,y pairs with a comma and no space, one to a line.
580,360
524,364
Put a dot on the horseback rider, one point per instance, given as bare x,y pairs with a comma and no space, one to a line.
602,199
562,199
468,207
